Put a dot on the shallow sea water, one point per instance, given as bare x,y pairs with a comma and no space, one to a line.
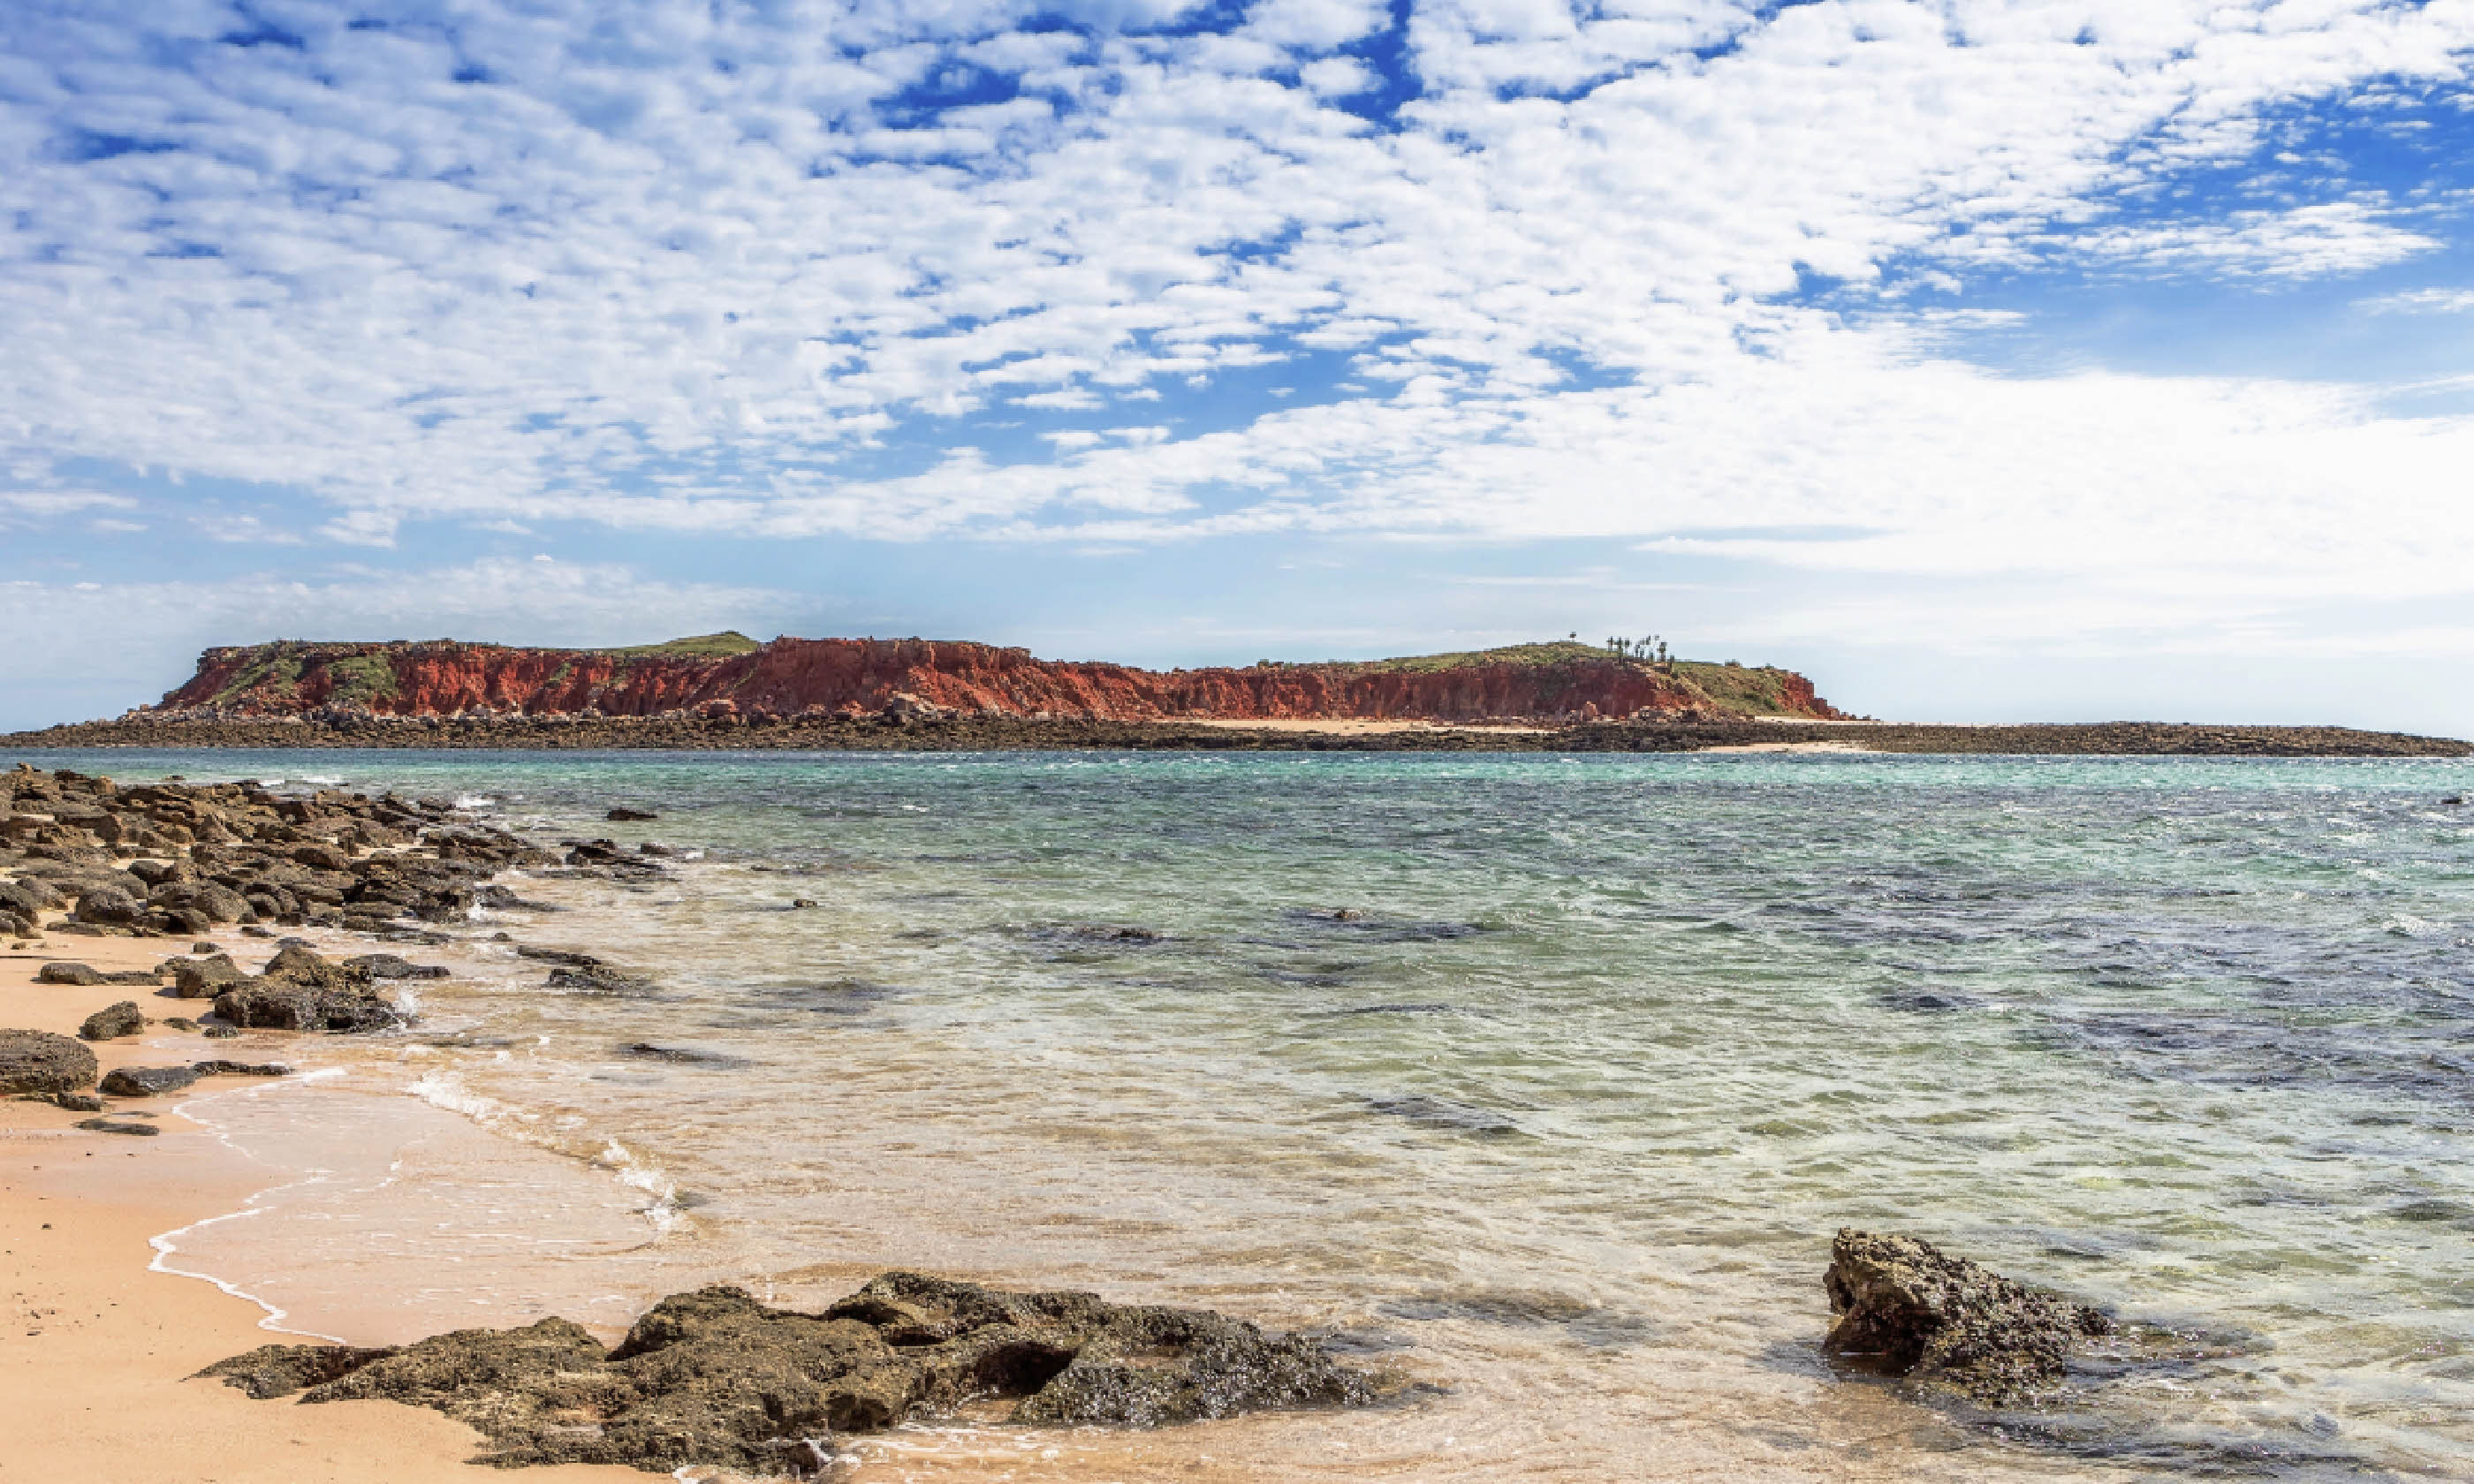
1542,1080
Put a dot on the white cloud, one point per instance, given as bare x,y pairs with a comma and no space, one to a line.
673,267
2422,301
66,632
2304,242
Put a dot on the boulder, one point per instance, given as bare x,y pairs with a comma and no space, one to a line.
147,1081
109,906
77,1102
209,899
713,1378
204,978
112,1022
40,1061
277,1005
389,966
1906,1308
66,972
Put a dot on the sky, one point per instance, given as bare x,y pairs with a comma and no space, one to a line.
1983,359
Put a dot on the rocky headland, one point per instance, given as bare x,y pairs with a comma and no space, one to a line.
728,692
731,676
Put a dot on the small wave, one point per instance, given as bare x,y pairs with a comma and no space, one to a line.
664,1211
321,781
445,1089
475,802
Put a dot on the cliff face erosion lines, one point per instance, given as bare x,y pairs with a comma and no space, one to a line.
730,675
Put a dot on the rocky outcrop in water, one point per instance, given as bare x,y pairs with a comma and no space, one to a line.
715,1378
1906,1308
728,676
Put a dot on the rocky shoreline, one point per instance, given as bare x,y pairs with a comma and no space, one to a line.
712,1377
905,730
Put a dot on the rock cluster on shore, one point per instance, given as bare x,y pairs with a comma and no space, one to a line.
180,860
714,1376
87,857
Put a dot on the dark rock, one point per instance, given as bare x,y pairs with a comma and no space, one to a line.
1906,1308
67,974
220,1069
600,980
1442,1113
204,978
323,857
658,852
387,965
502,899
40,1061
112,1022
154,872
301,991
684,1054
115,1126
77,1102
212,900
146,976
277,1005
254,931
148,1081
800,904
29,898
204,947
273,1370
571,960
180,1023
220,1032
623,816
107,906
715,1378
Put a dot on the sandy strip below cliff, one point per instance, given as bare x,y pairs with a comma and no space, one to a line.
95,1348
1347,726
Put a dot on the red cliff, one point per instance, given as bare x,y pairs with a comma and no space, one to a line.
727,674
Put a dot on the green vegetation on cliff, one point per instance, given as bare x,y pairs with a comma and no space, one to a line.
702,646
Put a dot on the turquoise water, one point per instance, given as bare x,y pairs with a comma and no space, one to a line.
1544,1079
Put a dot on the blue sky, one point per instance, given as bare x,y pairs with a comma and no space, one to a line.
1984,360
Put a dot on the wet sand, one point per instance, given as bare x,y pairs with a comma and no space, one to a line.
97,1347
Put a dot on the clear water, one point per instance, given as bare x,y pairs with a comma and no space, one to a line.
1560,1123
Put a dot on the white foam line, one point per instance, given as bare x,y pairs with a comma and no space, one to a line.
166,1243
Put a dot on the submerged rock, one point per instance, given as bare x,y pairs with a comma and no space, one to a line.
716,1378
40,1061
390,966
1906,1308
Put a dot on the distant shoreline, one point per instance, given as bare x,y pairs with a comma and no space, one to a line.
1006,733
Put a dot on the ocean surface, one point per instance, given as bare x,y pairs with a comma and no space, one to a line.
1543,1081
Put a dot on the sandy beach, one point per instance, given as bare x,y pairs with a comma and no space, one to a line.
97,1347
